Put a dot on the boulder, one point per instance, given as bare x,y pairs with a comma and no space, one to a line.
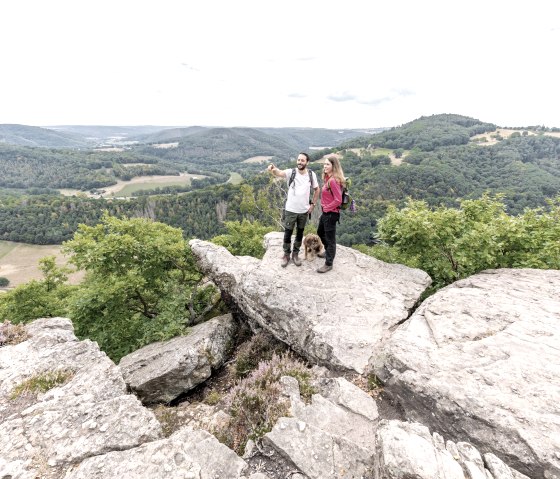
89,414
409,450
337,319
162,371
334,436
479,361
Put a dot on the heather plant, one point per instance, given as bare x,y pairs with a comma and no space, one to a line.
256,402
260,347
12,333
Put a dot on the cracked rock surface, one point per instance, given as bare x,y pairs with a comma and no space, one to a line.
479,361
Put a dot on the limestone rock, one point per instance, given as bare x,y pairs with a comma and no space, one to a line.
480,361
88,415
162,371
186,454
327,438
408,450
336,319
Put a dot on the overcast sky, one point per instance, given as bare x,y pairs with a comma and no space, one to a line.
304,63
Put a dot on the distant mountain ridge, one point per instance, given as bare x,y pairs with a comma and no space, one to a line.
35,136
89,136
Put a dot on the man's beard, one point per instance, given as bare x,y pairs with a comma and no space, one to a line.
301,167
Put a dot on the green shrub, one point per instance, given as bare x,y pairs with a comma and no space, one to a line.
4,282
244,238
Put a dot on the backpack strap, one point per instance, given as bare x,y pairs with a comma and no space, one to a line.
292,177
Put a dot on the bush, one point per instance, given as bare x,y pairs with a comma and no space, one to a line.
256,403
261,347
450,244
244,238
4,282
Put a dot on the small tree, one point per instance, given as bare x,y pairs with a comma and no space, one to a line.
244,238
141,284
39,298
4,282
450,244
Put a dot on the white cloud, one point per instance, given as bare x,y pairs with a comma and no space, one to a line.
290,63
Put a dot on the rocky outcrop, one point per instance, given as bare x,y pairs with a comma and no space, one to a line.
90,414
480,361
162,371
338,319
88,427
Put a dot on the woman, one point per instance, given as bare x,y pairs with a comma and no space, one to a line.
331,198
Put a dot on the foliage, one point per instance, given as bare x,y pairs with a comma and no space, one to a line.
4,282
141,284
440,164
426,133
44,298
42,383
244,238
450,244
256,402
11,334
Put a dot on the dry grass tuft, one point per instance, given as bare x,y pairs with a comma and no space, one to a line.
11,334
41,383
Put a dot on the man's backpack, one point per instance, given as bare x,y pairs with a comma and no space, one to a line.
293,176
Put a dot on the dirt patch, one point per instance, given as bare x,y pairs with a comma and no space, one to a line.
257,159
166,146
491,138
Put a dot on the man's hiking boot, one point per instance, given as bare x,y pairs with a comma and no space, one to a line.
322,254
324,268
295,259
285,260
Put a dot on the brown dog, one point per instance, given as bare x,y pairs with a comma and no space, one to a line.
312,245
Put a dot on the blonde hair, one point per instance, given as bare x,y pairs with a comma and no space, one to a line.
337,172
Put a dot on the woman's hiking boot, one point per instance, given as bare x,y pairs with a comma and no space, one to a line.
285,260
296,259
322,254
324,268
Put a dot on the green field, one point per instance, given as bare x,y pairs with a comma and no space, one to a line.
235,179
132,187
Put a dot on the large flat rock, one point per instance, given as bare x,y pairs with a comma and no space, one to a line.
338,319
480,362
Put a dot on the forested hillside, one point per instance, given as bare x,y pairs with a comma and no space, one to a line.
35,136
433,159
425,134
24,167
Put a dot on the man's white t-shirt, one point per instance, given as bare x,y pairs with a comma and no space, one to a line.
299,191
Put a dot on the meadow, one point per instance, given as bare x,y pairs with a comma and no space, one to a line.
19,262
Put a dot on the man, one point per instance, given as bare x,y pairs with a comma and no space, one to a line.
297,207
